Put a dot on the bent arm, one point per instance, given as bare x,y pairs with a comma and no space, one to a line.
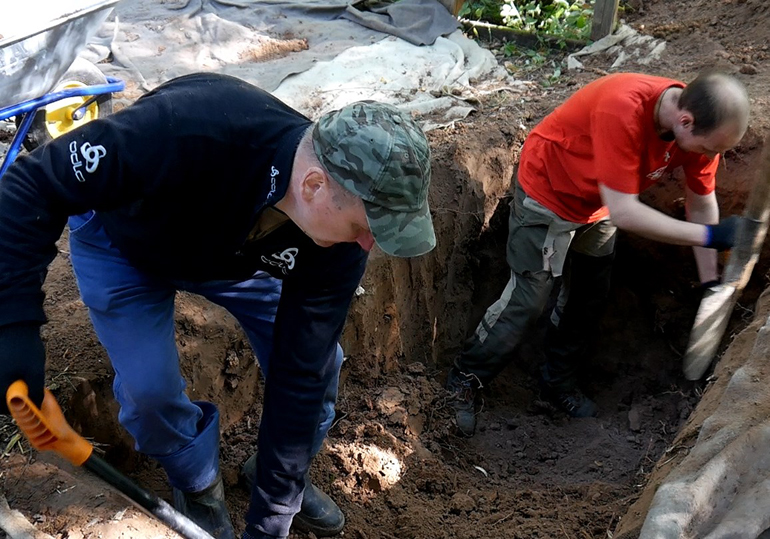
310,318
629,213
705,210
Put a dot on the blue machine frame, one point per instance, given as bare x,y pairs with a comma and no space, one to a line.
28,109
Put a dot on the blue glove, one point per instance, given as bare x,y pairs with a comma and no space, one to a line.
252,533
722,236
22,357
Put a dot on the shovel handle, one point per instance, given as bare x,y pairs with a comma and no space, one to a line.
45,427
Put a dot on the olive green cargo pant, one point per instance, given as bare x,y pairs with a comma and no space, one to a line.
542,246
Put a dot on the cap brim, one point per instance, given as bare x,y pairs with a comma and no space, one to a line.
400,233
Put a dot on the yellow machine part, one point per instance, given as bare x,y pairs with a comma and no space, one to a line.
58,115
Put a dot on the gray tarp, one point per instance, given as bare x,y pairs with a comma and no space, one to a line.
296,50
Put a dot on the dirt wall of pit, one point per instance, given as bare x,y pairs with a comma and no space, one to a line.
420,309
749,410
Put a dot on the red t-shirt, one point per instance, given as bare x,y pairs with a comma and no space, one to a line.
605,133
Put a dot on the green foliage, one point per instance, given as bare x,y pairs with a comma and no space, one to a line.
560,18
539,61
483,10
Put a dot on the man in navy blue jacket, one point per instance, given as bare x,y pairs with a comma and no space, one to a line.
210,185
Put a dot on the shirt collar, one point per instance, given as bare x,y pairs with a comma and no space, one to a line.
283,162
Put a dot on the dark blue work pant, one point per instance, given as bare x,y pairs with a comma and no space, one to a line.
133,314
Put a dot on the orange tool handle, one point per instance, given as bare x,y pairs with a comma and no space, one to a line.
46,429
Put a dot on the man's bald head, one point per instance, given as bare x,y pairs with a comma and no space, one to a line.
716,100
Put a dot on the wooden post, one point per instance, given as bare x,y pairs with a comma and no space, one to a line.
605,12
452,6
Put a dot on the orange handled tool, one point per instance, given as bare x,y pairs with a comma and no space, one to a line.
48,430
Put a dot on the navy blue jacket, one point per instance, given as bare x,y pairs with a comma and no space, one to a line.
179,179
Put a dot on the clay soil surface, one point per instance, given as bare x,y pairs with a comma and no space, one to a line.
394,460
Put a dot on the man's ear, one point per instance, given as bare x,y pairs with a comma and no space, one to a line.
314,184
686,119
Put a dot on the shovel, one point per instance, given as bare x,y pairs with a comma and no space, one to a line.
717,303
47,429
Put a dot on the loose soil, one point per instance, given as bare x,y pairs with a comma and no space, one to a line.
394,460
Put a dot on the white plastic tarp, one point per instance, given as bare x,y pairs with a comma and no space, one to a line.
305,53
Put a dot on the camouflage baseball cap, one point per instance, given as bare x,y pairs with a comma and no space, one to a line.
381,155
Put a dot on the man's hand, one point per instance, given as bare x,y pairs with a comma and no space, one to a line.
722,236
22,357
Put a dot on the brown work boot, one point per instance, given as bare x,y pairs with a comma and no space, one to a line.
207,509
318,514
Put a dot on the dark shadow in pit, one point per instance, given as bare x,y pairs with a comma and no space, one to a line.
634,369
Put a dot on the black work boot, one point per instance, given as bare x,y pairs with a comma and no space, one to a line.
573,402
207,509
318,514
566,397
464,389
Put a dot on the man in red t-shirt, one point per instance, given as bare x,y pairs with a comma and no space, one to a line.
579,177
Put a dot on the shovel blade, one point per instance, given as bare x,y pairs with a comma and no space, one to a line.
707,330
